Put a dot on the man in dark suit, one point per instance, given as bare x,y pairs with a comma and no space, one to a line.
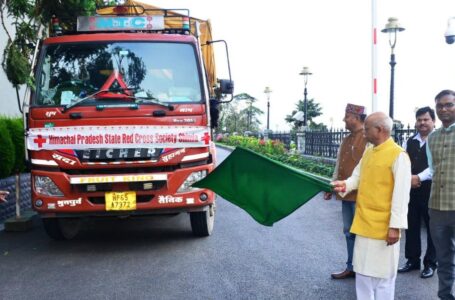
420,194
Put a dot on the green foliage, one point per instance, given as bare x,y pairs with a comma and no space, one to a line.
67,11
7,154
245,96
17,67
276,151
31,20
16,129
308,165
237,117
17,54
19,7
313,110
269,147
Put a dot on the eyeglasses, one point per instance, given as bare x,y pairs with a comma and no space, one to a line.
447,105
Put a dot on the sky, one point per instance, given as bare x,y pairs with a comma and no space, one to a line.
269,44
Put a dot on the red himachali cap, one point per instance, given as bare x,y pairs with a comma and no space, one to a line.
355,109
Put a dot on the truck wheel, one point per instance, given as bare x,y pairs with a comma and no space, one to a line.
62,228
202,221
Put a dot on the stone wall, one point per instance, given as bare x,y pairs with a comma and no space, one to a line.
8,209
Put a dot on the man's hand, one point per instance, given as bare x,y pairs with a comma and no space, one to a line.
415,181
3,195
327,196
393,236
339,186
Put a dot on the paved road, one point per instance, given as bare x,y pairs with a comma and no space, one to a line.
160,259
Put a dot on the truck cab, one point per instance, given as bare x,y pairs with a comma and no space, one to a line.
120,123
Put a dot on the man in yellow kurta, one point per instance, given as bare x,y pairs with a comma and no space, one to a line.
383,181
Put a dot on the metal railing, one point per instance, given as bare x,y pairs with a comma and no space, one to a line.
285,137
326,143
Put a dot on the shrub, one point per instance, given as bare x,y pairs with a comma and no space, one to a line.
276,150
16,129
7,154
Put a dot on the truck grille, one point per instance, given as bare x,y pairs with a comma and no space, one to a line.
110,155
108,187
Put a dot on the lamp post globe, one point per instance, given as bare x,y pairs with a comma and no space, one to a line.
267,91
392,28
305,73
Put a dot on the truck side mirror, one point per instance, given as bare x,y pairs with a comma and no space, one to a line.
226,86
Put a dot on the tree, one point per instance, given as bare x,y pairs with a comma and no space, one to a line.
31,20
234,118
313,110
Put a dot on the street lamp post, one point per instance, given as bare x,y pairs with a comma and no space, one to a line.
250,116
267,91
392,27
305,72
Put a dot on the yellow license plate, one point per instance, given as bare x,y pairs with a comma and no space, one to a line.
120,200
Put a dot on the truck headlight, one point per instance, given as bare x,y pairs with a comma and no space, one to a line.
192,178
45,186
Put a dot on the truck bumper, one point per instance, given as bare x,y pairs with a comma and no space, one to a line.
160,197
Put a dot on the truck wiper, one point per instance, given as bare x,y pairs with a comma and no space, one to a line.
152,100
81,100
147,99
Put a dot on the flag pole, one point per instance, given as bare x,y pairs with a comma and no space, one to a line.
374,62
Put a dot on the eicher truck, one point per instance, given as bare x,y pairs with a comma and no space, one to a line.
121,120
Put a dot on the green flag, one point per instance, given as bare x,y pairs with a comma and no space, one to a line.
264,188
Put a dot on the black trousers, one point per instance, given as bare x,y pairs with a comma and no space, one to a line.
418,210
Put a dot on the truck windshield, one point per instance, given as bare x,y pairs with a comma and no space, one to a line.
163,71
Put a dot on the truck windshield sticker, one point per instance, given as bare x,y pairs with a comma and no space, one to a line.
66,97
117,137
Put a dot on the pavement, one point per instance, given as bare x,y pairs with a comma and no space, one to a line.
158,258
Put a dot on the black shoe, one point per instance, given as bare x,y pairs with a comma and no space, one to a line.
427,272
408,266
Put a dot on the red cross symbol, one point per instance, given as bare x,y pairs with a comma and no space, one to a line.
40,141
206,138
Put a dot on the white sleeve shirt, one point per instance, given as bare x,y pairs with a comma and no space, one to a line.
425,174
401,170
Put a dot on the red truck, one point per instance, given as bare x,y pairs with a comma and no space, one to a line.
120,123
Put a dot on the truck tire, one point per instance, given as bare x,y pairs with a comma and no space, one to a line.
62,228
202,222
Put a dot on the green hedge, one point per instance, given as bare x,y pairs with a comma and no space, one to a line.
12,151
16,128
276,151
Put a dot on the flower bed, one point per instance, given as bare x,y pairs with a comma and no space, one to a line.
276,150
